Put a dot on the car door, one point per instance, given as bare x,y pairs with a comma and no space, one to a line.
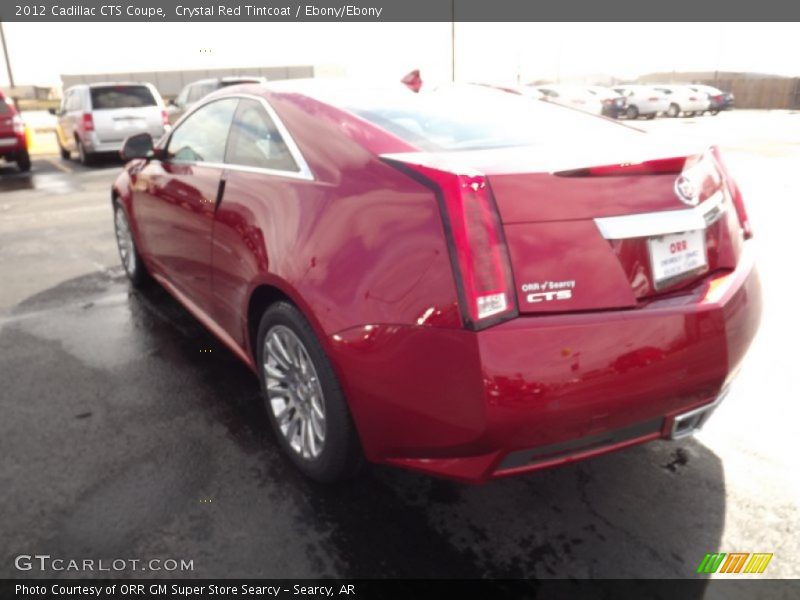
66,121
266,184
174,199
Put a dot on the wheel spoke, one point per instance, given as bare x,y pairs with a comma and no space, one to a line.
318,425
316,407
283,351
278,352
284,415
312,443
274,373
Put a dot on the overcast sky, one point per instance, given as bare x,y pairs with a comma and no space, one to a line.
498,52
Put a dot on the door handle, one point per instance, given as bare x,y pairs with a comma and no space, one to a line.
220,191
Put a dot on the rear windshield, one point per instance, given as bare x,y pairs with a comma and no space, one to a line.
121,96
462,119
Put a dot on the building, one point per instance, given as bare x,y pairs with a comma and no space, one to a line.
170,83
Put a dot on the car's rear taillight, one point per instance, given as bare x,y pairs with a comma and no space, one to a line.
476,241
653,99
647,167
735,193
87,122
164,118
18,124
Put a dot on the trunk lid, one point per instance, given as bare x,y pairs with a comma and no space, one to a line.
605,226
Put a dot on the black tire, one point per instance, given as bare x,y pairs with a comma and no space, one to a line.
86,158
632,112
651,116
24,161
341,456
714,113
674,110
65,154
134,269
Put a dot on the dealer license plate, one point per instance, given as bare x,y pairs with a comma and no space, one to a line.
676,256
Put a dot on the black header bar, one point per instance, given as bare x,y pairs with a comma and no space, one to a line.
371,11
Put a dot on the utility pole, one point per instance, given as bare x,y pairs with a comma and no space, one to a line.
453,40
5,54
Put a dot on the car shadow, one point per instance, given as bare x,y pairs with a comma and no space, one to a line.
651,511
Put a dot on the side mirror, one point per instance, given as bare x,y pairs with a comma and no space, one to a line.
137,146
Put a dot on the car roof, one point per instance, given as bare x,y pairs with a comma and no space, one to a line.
242,78
109,84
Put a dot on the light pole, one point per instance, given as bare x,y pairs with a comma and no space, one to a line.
5,54
453,40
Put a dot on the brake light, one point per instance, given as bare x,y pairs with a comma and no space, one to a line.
18,124
477,244
87,122
735,192
164,118
647,167
653,99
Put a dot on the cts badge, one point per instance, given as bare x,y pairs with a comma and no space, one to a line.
549,296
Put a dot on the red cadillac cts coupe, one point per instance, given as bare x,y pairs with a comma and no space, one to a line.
463,282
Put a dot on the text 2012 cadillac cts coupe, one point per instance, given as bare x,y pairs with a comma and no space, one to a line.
462,282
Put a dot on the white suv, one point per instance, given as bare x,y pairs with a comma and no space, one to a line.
96,118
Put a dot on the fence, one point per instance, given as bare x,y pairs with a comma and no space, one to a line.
750,91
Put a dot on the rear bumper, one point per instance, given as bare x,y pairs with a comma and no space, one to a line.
613,111
95,144
539,391
11,147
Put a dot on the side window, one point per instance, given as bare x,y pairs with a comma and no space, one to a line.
197,92
202,136
182,97
256,142
65,101
73,101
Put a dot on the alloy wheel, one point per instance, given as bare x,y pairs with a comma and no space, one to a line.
294,392
127,253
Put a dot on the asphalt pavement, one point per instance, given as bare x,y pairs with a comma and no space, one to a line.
122,436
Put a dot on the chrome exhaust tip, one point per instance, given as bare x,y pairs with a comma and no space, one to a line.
685,424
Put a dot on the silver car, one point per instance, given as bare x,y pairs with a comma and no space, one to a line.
642,101
198,90
96,118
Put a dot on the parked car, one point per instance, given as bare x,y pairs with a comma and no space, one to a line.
96,118
683,99
198,90
642,101
472,285
613,102
13,135
571,95
718,100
